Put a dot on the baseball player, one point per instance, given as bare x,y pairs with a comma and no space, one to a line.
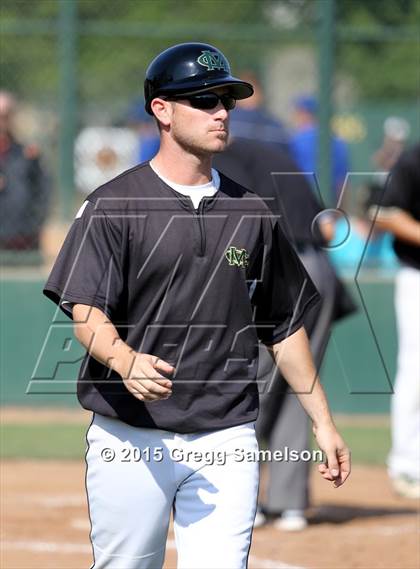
173,274
399,213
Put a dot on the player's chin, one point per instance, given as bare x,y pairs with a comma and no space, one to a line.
220,143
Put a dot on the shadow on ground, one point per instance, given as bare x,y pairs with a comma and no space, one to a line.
339,514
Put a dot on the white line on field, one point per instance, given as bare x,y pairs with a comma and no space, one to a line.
261,563
383,530
270,564
80,523
56,501
47,546
77,548
254,561
84,524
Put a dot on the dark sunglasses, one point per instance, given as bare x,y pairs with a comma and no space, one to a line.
206,100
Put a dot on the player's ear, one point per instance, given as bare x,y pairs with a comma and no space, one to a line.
162,110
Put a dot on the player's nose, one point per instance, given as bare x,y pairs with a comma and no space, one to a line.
220,112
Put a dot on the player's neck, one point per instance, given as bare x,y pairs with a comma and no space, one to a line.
183,167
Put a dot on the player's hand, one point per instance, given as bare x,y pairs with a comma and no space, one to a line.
338,463
145,380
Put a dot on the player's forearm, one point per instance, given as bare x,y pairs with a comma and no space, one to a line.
99,336
294,360
401,224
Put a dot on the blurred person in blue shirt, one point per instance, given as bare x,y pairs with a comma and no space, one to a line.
145,126
305,145
250,120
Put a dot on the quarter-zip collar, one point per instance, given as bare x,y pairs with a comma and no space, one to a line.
206,203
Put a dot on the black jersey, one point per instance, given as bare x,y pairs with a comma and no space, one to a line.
403,192
197,288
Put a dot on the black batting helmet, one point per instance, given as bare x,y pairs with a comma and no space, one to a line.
189,68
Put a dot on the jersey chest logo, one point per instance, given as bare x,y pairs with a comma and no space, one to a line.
212,61
237,257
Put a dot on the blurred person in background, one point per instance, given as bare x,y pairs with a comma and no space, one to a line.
399,213
374,244
305,145
24,186
250,120
358,242
282,422
142,123
396,133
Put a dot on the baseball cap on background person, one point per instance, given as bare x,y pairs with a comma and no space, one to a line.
191,68
304,145
306,103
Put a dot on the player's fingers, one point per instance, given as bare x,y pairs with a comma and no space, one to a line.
137,396
146,396
149,372
344,475
327,476
155,391
345,467
149,375
325,473
141,392
135,388
163,366
155,388
151,392
332,463
134,392
165,382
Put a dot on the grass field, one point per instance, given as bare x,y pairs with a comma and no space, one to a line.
369,443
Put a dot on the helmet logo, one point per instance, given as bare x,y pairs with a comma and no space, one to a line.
213,60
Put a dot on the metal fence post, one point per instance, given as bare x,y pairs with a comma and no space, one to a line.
67,52
326,30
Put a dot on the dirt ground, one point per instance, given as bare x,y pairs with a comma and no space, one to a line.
44,523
